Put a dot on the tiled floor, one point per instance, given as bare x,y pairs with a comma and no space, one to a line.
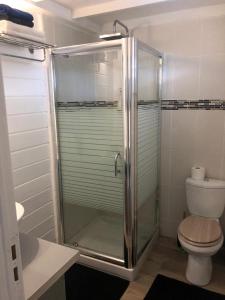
167,259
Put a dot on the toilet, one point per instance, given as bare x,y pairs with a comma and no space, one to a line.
200,234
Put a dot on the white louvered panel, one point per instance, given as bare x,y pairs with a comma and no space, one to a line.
30,172
19,123
43,227
89,139
36,201
23,87
26,91
36,217
28,189
29,156
23,140
26,105
50,235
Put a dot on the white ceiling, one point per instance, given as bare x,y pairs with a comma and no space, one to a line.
74,3
85,8
95,13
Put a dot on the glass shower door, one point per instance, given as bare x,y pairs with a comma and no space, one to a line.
148,142
89,113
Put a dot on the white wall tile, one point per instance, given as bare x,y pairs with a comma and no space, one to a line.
168,81
198,137
186,77
169,229
212,77
183,126
161,37
164,203
177,203
210,130
188,37
182,161
212,32
166,124
166,167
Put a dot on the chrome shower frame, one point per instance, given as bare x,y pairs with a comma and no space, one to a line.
129,48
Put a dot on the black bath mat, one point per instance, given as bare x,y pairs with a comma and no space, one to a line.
84,283
164,288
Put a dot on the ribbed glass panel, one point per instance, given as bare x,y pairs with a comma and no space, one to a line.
148,131
87,149
148,151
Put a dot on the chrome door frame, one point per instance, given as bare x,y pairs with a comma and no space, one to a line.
141,45
129,222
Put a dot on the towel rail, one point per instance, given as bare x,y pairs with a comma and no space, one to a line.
30,44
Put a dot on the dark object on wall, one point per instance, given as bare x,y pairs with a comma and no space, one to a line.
171,289
16,16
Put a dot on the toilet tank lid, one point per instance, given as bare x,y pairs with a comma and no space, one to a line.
207,183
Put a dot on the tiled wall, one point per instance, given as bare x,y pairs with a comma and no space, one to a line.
188,137
194,68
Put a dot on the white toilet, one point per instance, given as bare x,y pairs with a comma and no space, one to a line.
200,234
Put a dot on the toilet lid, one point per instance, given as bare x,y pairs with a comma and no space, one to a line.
200,230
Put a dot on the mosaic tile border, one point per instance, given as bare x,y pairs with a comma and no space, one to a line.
212,104
165,104
86,104
68,104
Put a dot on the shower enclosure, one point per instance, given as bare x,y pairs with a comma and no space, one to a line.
107,110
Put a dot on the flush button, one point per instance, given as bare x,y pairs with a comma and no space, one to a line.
13,250
16,275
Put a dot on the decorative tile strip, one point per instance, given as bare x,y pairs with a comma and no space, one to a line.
212,104
165,104
86,104
68,104
151,102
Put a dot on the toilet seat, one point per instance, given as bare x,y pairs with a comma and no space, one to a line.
200,231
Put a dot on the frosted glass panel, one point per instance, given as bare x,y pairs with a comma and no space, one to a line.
148,145
90,134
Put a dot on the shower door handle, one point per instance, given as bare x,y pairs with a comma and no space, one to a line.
116,171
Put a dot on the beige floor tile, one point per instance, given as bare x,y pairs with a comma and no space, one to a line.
167,259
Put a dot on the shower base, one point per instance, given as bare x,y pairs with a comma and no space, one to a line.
94,232
120,271
103,235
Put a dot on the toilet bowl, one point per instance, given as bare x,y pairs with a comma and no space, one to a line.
201,238
200,234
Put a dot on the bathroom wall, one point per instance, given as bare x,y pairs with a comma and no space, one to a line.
194,69
27,100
